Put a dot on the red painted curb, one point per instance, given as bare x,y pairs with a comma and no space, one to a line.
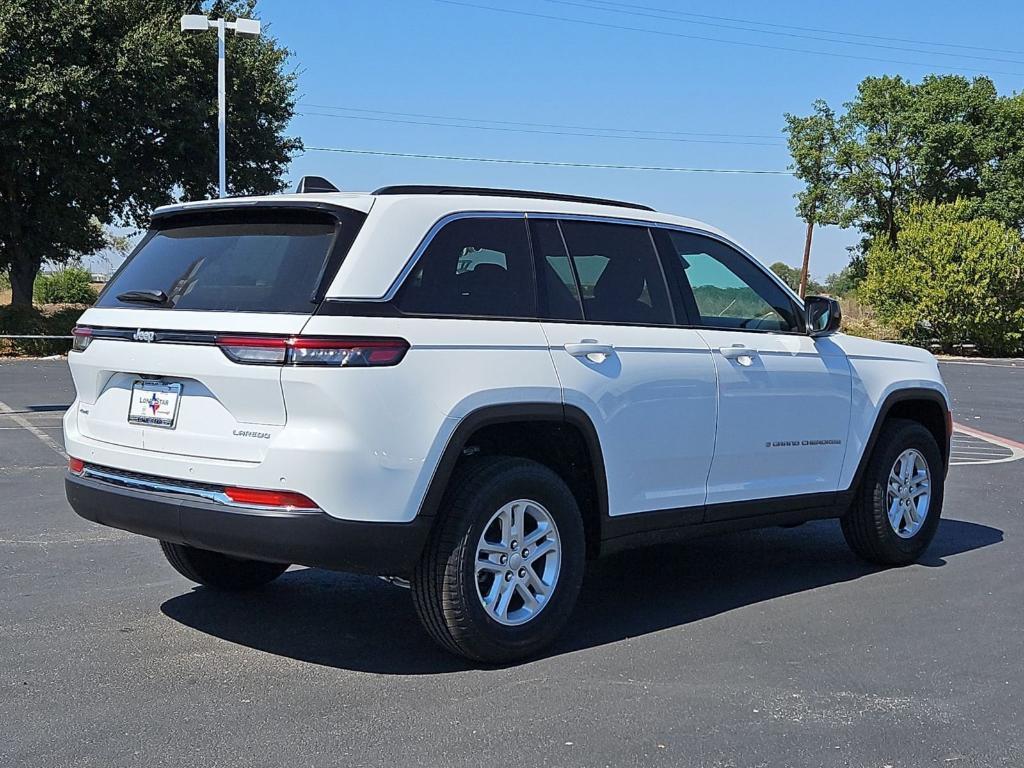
1005,441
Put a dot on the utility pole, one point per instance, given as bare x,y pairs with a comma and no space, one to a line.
807,257
242,28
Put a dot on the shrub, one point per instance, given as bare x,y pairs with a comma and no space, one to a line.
47,321
71,285
860,320
953,278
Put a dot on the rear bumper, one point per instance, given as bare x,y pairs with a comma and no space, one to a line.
301,537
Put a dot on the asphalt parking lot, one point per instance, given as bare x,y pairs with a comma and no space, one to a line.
771,648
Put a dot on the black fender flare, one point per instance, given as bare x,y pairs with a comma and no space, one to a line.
507,414
900,396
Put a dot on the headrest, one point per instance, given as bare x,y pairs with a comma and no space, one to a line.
622,280
488,271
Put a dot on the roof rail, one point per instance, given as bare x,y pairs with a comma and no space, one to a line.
426,189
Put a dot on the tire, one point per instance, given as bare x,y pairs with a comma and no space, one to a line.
448,585
866,526
219,571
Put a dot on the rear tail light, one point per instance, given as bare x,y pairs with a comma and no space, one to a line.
75,466
255,350
269,498
330,352
82,337
347,352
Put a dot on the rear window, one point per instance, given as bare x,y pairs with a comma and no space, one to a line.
234,261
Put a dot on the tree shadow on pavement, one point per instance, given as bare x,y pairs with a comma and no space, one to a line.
361,623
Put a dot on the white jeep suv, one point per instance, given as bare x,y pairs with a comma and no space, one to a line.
476,390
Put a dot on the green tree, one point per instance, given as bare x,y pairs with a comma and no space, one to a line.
848,279
905,143
107,110
951,277
791,276
899,143
1001,179
813,143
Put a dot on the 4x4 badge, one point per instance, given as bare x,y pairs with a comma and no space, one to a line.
141,335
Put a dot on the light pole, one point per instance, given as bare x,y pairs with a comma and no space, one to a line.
242,28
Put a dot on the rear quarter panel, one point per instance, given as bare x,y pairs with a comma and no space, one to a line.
374,436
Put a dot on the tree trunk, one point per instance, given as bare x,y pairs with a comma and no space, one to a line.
807,258
23,271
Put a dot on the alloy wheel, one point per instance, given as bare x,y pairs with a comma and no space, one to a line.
517,563
908,493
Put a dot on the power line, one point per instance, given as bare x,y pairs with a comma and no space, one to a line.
544,125
747,44
634,10
816,29
549,163
540,131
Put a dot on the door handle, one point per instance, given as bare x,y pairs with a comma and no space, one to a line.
590,349
738,350
739,353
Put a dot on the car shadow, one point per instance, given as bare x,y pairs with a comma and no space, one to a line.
47,408
364,624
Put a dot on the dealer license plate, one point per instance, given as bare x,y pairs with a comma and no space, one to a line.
154,403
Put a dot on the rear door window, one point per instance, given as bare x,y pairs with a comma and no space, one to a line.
473,267
234,261
556,282
619,273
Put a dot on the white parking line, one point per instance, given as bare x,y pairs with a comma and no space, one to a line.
1005,363
966,454
45,439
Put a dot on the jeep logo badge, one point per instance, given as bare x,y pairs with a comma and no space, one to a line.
141,335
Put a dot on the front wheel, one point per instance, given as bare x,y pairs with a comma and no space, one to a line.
220,571
502,571
896,511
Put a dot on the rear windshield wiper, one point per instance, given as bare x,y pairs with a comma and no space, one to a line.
143,297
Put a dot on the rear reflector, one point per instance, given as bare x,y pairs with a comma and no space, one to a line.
82,337
337,352
75,466
269,498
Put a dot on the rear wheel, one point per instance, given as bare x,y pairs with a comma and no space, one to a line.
502,571
896,511
220,571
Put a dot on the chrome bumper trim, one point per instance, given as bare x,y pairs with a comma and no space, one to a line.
169,486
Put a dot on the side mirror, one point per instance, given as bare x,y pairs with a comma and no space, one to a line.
824,315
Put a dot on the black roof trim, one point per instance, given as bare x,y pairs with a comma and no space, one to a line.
427,189
309,184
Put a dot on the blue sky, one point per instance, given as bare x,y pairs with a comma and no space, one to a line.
433,58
